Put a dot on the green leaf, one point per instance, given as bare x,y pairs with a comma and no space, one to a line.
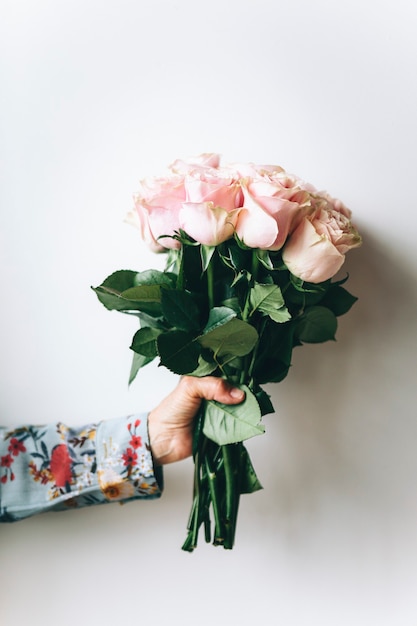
226,259
115,291
138,362
274,353
241,277
304,286
154,277
120,280
272,370
301,299
269,300
234,338
178,351
189,274
265,260
180,309
240,256
109,292
218,316
249,482
338,300
264,401
112,300
173,261
144,341
204,368
227,423
233,303
317,324
206,255
143,293
146,298
341,281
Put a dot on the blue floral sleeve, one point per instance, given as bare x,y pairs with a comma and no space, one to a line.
56,467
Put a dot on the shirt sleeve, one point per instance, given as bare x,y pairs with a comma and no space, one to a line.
55,467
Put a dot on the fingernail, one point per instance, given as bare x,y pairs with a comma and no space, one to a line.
237,393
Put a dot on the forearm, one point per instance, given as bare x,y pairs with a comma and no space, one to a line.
55,467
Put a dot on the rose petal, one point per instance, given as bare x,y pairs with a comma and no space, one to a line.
310,256
256,228
206,223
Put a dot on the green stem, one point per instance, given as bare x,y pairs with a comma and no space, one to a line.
246,313
210,285
207,529
255,264
256,348
180,264
243,371
212,483
230,496
197,503
198,512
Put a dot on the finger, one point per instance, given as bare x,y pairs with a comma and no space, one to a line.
212,388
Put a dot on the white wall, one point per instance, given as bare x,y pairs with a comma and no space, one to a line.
95,95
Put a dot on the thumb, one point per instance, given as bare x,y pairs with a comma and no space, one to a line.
212,388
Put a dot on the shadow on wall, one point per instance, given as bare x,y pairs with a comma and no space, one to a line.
386,289
347,406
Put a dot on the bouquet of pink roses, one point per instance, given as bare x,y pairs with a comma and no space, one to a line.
251,254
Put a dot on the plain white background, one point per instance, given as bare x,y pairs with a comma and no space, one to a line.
96,94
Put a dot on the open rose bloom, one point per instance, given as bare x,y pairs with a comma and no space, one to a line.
262,206
251,253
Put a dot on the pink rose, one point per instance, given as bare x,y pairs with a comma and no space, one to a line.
252,170
156,210
205,161
216,186
256,227
210,211
273,206
316,249
207,223
139,219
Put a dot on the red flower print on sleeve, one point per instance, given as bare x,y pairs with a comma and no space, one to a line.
61,466
6,461
16,446
130,458
136,441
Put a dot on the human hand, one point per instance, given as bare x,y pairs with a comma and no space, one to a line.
170,424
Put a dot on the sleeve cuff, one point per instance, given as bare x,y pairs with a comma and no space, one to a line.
125,467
